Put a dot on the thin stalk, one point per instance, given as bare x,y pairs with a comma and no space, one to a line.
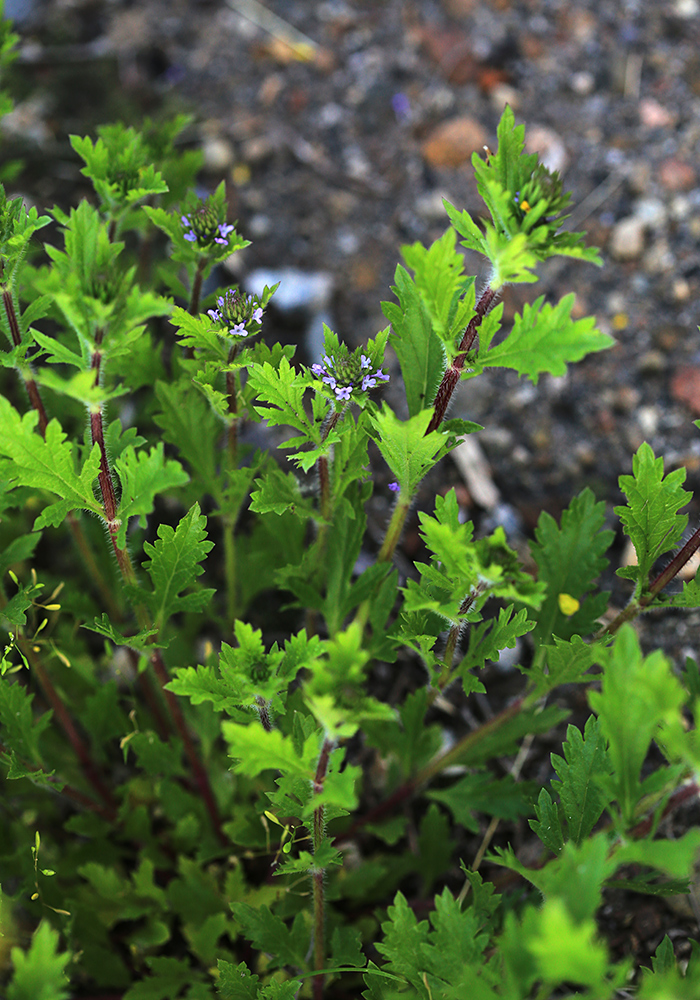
193,307
200,775
454,372
70,793
125,565
319,827
64,718
438,764
636,606
88,560
32,388
229,522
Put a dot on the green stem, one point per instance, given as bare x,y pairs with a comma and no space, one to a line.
193,307
438,764
230,569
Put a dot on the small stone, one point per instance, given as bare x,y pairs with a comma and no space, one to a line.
549,145
582,83
430,206
651,363
452,143
680,290
218,155
298,290
652,212
655,115
627,239
675,175
685,388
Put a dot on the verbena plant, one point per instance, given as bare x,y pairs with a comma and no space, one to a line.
196,807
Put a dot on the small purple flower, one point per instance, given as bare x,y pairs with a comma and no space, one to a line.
343,372
239,314
204,226
394,487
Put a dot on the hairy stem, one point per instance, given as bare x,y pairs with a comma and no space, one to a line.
454,372
635,607
31,386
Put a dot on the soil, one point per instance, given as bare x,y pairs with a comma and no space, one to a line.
340,126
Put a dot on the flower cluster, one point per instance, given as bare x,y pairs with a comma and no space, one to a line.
240,314
345,373
204,227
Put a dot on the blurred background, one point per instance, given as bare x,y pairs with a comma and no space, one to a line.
339,127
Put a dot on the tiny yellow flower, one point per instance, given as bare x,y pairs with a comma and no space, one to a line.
568,605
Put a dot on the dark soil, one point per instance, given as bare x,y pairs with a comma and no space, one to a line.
333,163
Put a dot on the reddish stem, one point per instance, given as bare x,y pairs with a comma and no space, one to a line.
32,388
200,775
454,372
76,740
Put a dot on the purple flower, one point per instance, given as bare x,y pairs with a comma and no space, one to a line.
343,372
238,314
394,487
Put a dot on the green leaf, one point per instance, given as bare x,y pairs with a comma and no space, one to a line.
547,826
47,464
418,347
40,971
405,448
651,518
174,566
443,288
20,730
269,933
143,476
545,338
638,696
569,559
254,750
585,758
481,793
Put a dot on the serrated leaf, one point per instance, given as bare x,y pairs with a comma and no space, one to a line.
140,640
547,826
585,758
651,517
405,448
482,793
144,475
418,347
545,338
269,933
569,559
47,464
174,565
254,750
638,696
40,972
